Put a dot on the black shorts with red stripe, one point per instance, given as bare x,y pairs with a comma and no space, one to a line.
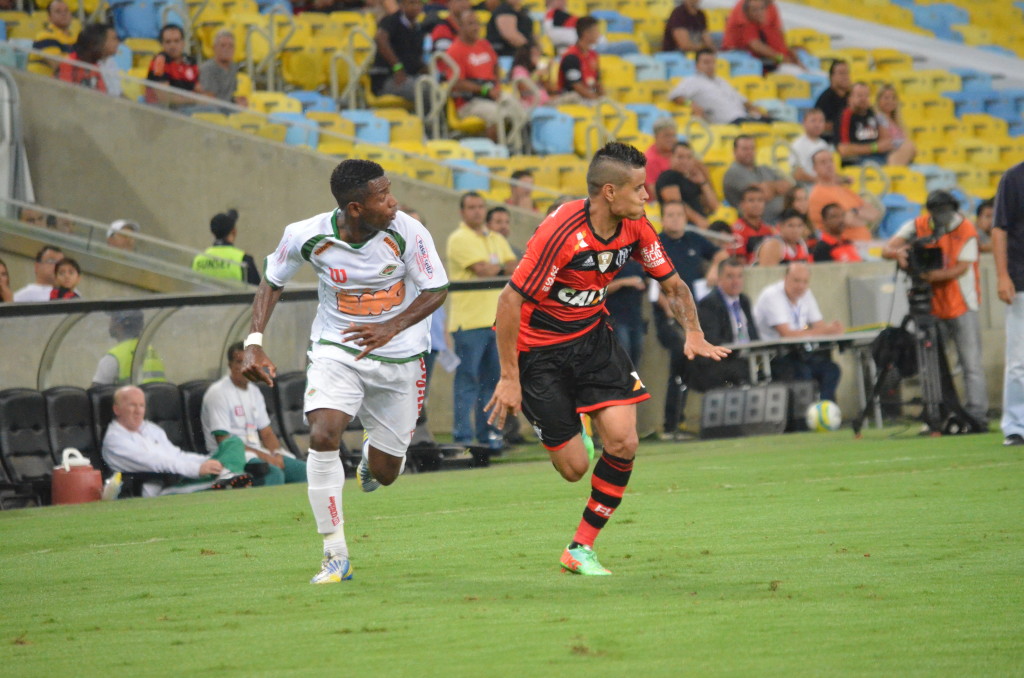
561,381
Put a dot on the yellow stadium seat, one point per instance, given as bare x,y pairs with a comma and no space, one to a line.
761,131
724,213
468,126
981,152
378,154
986,126
243,86
273,131
786,131
404,126
247,122
211,117
1011,151
888,59
790,86
448,149
810,39
431,171
413,147
909,182
22,25
274,102
716,18
338,147
755,87
974,180
866,179
143,51
383,101
858,57
333,124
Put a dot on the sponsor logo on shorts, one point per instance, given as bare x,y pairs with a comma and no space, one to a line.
393,245
580,298
639,384
423,258
389,269
322,247
332,507
536,429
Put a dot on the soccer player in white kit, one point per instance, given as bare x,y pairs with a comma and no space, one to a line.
380,278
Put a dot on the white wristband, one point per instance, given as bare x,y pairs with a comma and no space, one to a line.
254,339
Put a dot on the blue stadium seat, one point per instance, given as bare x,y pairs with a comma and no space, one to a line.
301,130
171,12
647,67
3,30
801,106
646,114
780,110
1016,96
551,131
898,210
483,147
810,61
137,20
677,65
818,82
369,127
972,79
123,57
936,178
967,203
968,102
505,63
615,22
314,101
462,180
998,49
742,63
278,6
1015,128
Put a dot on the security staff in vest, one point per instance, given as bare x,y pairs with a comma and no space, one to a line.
116,366
223,259
956,287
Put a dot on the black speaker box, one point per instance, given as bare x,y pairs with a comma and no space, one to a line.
744,411
802,394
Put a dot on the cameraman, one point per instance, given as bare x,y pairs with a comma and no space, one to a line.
956,289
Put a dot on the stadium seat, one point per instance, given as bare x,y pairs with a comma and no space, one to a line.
676,64
467,175
907,182
23,439
273,132
483,147
647,67
448,149
313,101
369,127
69,423
887,59
101,404
274,102
192,393
273,408
163,408
898,210
551,131
470,125
291,390
741,63
301,130
137,20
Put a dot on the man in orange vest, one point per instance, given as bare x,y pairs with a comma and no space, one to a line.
956,287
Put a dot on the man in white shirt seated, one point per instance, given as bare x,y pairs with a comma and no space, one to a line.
134,445
714,98
234,406
803,148
788,309
46,262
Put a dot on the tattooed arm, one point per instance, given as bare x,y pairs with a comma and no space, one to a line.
680,300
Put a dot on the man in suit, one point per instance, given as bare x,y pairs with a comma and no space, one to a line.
726,318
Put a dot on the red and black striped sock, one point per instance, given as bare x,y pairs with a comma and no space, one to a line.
608,483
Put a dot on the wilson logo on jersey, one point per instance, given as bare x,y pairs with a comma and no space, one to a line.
339,275
371,302
322,247
580,298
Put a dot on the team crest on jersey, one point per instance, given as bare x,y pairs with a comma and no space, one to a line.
389,269
604,261
322,247
394,247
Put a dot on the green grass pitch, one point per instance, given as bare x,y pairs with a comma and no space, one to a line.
796,555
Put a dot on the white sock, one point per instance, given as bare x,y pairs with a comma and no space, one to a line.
326,477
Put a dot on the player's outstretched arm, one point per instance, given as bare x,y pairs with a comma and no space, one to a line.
256,366
372,336
680,300
508,395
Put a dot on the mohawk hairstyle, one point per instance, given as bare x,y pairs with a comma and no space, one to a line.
611,164
350,179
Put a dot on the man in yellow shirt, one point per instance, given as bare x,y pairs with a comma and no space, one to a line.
475,252
56,38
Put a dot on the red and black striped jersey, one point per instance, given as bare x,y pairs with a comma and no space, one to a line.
564,275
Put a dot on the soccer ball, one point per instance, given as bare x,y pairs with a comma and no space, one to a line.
824,415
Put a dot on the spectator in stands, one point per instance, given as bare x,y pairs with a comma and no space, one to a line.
529,65
714,98
510,27
61,222
109,67
788,246
831,245
796,199
477,92
861,138
860,216
745,172
624,303
6,295
687,29
956,287
499,221
234,406
755,26
89,48
33,217
560,25
983,222
223,259
443,34
750,228
116,366
725,314
687,181
832,102
399,52
803,148
522,192
475,252
788,309
888,104
693,256
218,77
174,68
67,275
46,260
55,39
579,71
659,154
134,445
117,234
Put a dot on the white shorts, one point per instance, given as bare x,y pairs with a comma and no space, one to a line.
386,397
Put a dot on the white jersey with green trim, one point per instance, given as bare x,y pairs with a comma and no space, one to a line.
369,282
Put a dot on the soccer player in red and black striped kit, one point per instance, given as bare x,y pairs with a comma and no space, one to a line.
560,358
